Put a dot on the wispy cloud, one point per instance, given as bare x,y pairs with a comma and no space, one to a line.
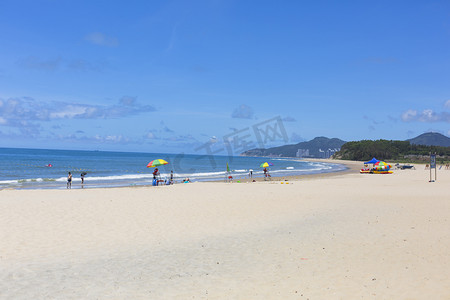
171,140
80,137
36,63
296,138
447,104
372,120
60,63
85,66
392,119
26,108
289,119
243,112
25,113
165,128
381,60
101,39
164,133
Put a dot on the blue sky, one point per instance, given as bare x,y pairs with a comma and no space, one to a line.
174,76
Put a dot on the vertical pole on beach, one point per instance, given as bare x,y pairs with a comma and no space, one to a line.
433,165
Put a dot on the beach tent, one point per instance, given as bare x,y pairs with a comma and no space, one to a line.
372,161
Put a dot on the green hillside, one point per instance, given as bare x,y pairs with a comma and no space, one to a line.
314,146
431,139
390,150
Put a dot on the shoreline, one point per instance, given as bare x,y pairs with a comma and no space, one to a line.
351,167
240,178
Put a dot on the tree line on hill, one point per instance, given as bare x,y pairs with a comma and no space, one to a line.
412,150
390,150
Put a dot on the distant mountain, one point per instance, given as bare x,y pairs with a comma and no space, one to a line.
431,139
317,147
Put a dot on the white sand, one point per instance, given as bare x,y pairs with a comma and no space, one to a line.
350,236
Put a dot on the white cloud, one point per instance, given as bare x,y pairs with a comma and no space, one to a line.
116,139
72,111
150,135
426,116
429,116
409,115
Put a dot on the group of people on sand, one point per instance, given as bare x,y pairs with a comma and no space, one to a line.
266,174
157,178
69,180
447,167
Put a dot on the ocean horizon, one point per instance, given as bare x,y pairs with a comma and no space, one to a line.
25,168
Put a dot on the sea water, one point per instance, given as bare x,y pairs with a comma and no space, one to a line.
43,169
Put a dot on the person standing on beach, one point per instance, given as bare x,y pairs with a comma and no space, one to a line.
250,174
82,178
155,173
171,177
69,181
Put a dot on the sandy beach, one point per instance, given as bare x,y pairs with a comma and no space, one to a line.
339,236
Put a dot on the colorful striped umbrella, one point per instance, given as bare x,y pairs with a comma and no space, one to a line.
266,164
382,166
157,163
